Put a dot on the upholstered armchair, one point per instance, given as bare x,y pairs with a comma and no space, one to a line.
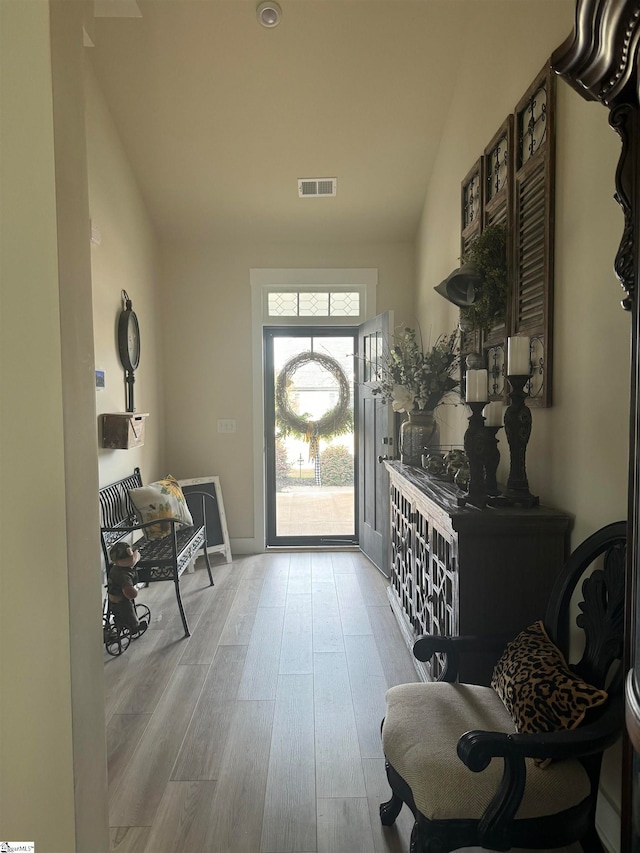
517,763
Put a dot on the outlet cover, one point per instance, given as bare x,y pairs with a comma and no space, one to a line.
226,425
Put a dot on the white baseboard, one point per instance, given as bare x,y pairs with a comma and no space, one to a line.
608,824
246,546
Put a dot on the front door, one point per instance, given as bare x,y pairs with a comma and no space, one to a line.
310,439
375,439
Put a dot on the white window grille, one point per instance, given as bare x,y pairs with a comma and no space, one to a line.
314,297
313,304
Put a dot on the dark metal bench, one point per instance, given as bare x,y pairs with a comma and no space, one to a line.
160,559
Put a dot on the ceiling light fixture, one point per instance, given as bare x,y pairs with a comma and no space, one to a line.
269,13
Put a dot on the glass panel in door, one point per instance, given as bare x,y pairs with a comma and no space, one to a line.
310,450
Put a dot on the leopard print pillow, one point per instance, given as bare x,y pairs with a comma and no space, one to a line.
537,687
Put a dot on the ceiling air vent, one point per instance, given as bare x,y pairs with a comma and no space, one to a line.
315,187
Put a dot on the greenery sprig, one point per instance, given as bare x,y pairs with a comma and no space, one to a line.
488,253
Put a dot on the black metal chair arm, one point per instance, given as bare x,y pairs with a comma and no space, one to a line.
428,644
142,525
477,748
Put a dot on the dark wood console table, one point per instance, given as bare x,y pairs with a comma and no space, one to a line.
460,571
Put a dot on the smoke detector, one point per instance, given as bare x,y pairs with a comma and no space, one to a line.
269,13
315,187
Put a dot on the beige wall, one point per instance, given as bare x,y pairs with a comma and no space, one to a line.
52,740
577,455
125,259
29,278
206,299
579,448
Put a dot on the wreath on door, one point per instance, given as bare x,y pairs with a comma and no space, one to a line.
335,421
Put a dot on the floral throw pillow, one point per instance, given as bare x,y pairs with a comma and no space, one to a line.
160,500
537,687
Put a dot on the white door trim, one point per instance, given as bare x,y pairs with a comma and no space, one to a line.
263,280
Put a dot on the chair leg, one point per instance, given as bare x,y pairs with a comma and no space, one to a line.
390,810
206,559
417,844
183,615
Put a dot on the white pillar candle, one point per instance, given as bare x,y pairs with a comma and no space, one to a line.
476,386
518,356
493,413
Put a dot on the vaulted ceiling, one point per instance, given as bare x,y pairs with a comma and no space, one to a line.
220,116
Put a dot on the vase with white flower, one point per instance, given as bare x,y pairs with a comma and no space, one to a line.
416,382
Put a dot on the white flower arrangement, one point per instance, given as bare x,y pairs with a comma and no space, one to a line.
415,380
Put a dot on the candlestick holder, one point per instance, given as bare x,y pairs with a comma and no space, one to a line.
474,441
491,460
517,427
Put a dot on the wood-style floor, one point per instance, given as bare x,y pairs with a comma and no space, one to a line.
259,733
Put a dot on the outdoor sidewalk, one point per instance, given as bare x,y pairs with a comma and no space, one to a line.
315,511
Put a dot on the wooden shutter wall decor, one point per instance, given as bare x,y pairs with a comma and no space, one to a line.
533,229
472,204
517,178
498,169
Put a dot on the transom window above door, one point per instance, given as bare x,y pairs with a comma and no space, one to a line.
313,296
313,303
